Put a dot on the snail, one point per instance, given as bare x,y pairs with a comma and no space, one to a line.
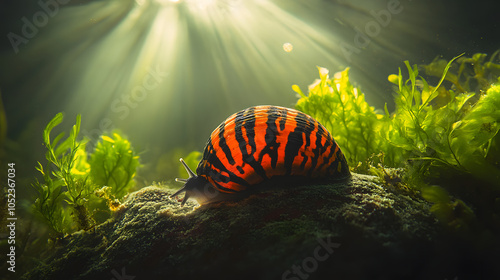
262,144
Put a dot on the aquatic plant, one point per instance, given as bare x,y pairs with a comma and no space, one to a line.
451,134
68,195
457,134
114,164
416,129
61,171
468,74
342,109
428,135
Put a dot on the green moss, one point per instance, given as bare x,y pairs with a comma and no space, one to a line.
259,237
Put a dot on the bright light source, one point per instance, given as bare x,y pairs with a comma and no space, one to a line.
287,47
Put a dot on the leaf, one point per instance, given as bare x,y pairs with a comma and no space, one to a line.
69,198
462,99
74,131
435,194
426,94
412,80
39,168
400,80
444,73
323,73
56,191
56,140
53,123
296,88
393,79
76,127
108,139
64,147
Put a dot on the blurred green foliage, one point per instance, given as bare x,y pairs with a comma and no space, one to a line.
114,164
455,214
468,74
434,131
73,185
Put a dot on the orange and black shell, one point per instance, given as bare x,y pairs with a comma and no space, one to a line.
260,142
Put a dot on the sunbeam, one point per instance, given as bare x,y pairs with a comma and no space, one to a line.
166,72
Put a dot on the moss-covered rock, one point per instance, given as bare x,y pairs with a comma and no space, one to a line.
353,230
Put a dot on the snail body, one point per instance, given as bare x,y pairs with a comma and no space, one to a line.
260,144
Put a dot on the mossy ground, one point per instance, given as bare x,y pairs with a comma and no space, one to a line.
379,232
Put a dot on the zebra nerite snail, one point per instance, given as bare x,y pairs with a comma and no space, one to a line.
259,143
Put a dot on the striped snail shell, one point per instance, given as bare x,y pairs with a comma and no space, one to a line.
259,143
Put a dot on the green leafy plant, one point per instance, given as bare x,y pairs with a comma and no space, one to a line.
342,109
63,181
467,74
114,164
417,129
471,138
73,186
457,134
434,132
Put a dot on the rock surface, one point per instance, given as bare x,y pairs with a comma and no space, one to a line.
354,230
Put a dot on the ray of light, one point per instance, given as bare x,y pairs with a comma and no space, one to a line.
175,69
